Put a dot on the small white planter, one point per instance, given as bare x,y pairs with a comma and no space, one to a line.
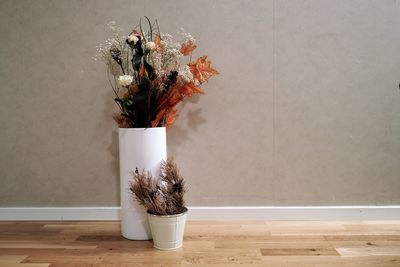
167,230
142,148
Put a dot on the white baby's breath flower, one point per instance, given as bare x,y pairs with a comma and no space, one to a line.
156,60
125,80
186,37
166,57
150,46
113,26
185,75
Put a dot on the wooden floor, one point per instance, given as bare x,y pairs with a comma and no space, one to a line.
278,244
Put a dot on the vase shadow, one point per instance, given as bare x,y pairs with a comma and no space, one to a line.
195,119
113,149
180,132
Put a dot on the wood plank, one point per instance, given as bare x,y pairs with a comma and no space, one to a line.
43,244
4,259
331,261
369,251
26,265
298,252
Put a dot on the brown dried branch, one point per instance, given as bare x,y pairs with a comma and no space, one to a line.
122,121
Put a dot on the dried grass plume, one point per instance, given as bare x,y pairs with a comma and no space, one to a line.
163,196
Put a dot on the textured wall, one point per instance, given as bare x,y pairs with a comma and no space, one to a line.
306,110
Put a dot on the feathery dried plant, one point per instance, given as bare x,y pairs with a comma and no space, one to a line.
162,197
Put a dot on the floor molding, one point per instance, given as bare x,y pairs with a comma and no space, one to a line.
211,213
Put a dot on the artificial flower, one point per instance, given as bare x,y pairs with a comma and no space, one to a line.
125,80
132,39
150,46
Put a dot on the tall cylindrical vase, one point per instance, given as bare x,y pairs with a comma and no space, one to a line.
142,148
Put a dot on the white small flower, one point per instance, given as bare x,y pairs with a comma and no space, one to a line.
150,46
113,26
185,75
125,80
186,37
133,39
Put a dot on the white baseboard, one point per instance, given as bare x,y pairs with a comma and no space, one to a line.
303,213
59,214
296,213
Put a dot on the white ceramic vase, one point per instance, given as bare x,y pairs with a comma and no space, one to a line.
142,148
167,230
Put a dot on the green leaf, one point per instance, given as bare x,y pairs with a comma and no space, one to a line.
136,61
150,70
141,108
144,84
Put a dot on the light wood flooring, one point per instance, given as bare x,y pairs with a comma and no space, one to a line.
209,244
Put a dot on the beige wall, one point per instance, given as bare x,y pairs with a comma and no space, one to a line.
306,110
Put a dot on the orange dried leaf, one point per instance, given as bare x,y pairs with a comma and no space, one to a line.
175,96
187,48
158,40
188,89
202,70
142,70
158,118
167,102
171,117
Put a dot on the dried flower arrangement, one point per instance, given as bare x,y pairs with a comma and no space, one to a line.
162,197
147,77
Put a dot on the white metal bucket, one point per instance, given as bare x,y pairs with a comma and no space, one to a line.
142,148
167,230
